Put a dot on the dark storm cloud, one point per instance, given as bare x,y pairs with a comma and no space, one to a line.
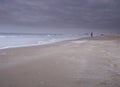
66,13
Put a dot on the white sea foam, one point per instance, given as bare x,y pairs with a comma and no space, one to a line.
10,41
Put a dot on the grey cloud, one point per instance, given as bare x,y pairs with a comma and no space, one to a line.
68,13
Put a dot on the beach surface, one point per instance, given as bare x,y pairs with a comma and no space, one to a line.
88,62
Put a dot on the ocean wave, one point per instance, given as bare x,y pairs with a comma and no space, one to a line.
10,41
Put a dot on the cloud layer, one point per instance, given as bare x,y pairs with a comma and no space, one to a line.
61,13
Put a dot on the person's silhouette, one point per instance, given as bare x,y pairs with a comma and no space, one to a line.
91,34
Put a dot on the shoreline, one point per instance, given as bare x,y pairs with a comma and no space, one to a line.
14,42
32,45
98,37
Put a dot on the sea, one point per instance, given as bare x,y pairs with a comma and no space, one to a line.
12,40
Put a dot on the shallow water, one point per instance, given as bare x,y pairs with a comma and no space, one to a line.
17,40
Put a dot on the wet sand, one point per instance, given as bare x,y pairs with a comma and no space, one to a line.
88,62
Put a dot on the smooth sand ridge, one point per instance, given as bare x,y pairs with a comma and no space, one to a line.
80,63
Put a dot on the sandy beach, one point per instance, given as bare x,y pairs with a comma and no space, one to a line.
88,62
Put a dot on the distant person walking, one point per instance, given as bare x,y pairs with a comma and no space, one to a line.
91,34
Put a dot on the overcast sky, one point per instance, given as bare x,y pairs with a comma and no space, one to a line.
59,15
